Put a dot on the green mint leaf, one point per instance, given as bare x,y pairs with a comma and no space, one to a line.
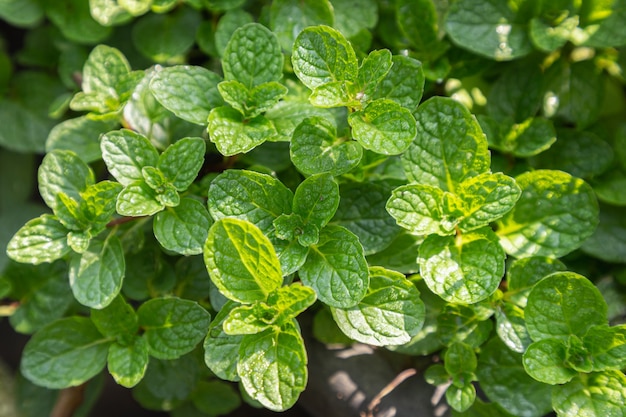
436,374
489,28
289,17
608,242
41,292
511,327
236,94
98,203
43,239
425,209
181,162
63,172
68,213
316,199
460,323
374,67
460,359
64,353
487,197
292,254
581,154
248,195
286,115
233,134
336,268
96,275
126,153
291,227
105,70
164,192
362,211
390,313
524,273
221,351
461,398
607,32
315,148
128,363
321,54
504,380
528,138
166,37
241,260
545,361
398,255
564,304
596,394
516,94
22,13
253,56
383,127
183,229
154,178
462,269
138,199
272,366
249,319
79,135
190,92
335,94
607,347
116,319
290,301
555,230
229,22
577,355
403,83
252,102
449,147
419,23
216,398
550,37
172,326
351,18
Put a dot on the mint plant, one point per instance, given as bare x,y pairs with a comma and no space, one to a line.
444,180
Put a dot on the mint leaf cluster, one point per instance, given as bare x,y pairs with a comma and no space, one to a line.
215,182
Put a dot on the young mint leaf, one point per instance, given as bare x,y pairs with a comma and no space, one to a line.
528,138
460,359
229,22
524,273
316,199
118,319
272,366
383,127
556,230
336,268
425,209
449,147
98,203
183,229
286,115
68,213
462,269
489,28
290,17
504,380
181,162
390,313
128,363
545,361
172,326
253,56
335,94
43,239
564,304
190,92
315,148
248,195
126,153
607,347
461,398
595,394
63,172
79,135
241,260
249,319
233,134
290,301
403,83
138,199
96,275
252,102
373,69
110,14
321,54
487,197
511,327
64,353
460,323
105,71
362,211
221,351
